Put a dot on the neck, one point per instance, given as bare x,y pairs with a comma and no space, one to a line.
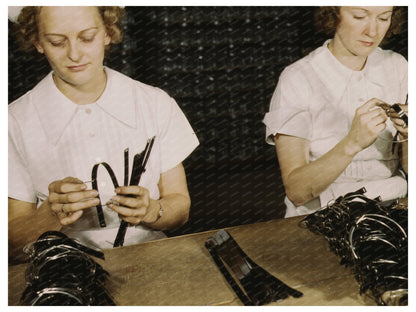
83,94
345,57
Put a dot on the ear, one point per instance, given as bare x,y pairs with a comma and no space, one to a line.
39,47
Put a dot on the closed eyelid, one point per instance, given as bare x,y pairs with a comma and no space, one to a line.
359,11
89,31
53,37
385,15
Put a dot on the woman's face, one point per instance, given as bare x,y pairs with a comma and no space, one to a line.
73,40
361,29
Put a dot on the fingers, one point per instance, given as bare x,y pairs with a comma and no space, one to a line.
131,203
132,190
129,214
67,185
398,114
68,197
131,196
376,117
373,118
399,122
396,111
370,105
67,219
401,127
372,111
138,212
72,197
63,206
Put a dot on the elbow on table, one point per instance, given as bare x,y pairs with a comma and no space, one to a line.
299,198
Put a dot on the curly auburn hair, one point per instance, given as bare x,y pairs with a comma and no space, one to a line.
27,30
327,19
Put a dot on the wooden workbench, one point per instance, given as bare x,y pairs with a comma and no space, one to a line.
179,270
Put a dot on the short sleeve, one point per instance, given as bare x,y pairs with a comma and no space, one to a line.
19,183
289,112
178,139
402,66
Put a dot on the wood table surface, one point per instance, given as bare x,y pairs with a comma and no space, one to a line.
179,271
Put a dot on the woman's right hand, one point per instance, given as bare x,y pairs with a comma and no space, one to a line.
68,198
369,121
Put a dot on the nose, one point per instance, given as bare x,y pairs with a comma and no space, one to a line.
371,29
74,52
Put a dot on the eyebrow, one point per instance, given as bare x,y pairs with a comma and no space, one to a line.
362,9
62,35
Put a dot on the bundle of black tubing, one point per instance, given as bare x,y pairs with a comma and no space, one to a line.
61,272
370,236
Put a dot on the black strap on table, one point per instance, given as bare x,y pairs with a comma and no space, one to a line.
252,284
139,166
94,182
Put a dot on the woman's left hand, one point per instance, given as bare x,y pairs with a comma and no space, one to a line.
134,205
399,123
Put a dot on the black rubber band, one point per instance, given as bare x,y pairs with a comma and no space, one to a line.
110,171
139,166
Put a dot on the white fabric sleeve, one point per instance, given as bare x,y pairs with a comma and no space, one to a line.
178,139
289,107
19,183
403,68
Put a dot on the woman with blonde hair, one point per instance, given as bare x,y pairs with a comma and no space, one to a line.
83,122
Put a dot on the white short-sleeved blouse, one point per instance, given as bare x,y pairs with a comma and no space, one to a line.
50,138
316,98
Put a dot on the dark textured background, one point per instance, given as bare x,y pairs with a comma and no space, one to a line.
221,64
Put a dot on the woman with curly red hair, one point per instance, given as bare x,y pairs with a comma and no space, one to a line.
327,117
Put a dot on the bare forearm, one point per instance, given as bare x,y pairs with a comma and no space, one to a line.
27,228
308,181
403,155
175,213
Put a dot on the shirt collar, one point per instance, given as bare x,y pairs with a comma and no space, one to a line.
336,76
118,98
56,110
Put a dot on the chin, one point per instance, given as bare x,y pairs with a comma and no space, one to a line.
364,52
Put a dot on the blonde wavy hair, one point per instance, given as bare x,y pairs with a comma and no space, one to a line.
27,30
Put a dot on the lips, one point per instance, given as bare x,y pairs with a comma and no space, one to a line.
367,43
77,68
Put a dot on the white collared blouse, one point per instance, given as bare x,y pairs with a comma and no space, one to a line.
50,138
316,98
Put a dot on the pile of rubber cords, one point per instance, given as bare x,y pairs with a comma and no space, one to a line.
61,272
370,236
